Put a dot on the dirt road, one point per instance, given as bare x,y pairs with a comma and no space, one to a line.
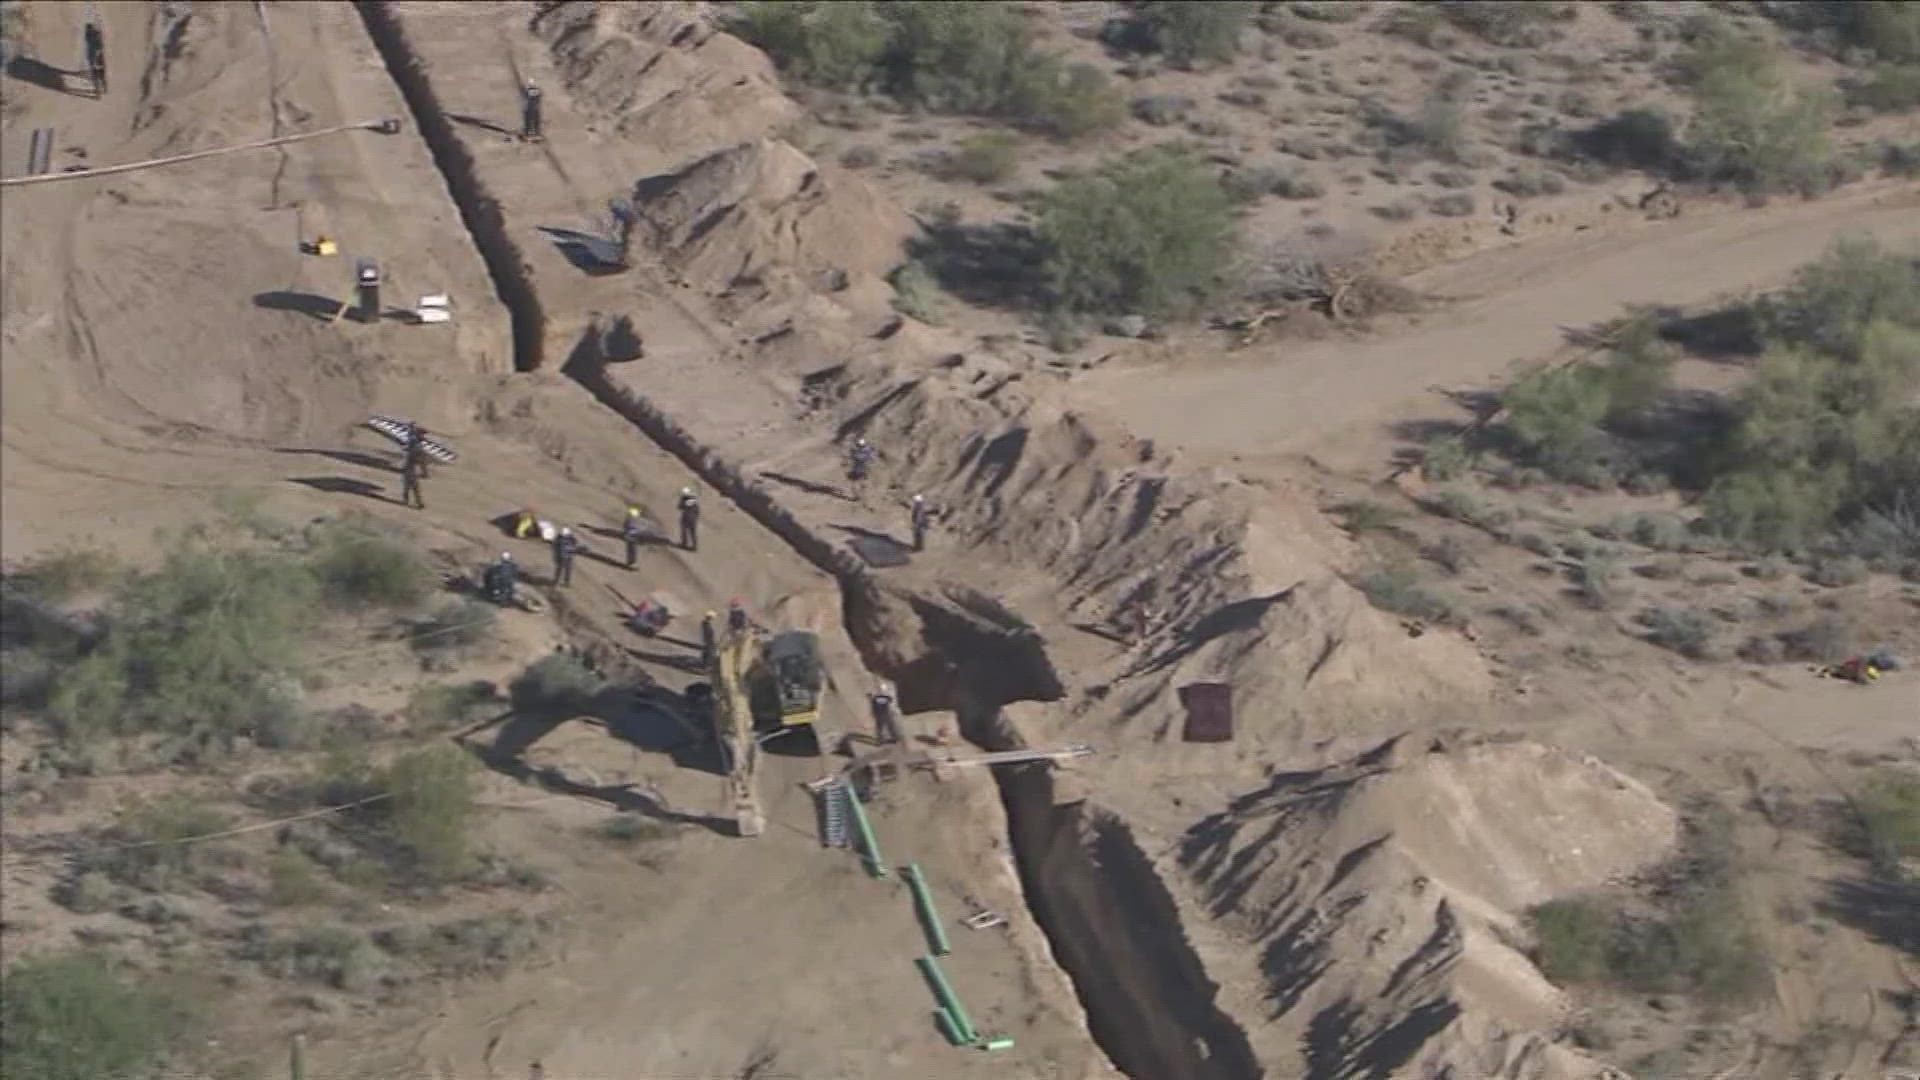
1517,304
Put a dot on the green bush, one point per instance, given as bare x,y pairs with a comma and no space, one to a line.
293,880
1364,515
431,808
146,847
1889,88
916,293
1833,304
1596,580
1189,31
985,159
337,956
440,705
1683,630
835,45
1752,125
356,564
1397,589
201,646
454,625
1574,939
1147,233
68,1016
59,576
1511,23
1068,101
556,683
1890,816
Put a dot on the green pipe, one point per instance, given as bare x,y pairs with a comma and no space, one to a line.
948,1000
949,1026
298,1063
876,865
923,900
996,1044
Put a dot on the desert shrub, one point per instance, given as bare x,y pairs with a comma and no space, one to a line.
145,847
69,1016
356,564
860,157
1337,12
1888,88
1837,571
1451,178
293,880
58,576
1438,128
1822,640
1397,589
1365,515
1900,159
1457,204
1295,184
1527,182
454,625
1662,532
432,807
439,705
1752,125
835,45
1189,31
916,293
1148,232
988,158
1889,29
1596,580
202,645
1834,303
1556,416
557,683
1574,939
1069,101
1683,630
1889,806
1161,110
1538,544
1446,459
478,945
1511,23
336,956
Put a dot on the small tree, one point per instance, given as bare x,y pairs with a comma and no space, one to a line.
834,45
1149,232
432,806
1752,124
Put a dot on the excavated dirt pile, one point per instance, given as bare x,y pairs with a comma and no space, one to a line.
1374,908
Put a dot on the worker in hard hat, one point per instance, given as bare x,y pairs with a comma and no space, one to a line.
922,518
565,547
709,640
736,616
530,113
689,519
500,578
633,531
413,466
859,459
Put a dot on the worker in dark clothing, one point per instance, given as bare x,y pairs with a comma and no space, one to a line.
736,617
500,579
689,519
922,519
412,468
886,725
96,43
565,547
859,459
632,532
530,113
709,640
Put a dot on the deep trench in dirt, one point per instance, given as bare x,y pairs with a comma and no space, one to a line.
1108,917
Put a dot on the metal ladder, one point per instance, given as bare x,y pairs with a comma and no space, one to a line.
833,813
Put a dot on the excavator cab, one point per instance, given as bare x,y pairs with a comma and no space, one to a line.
787,684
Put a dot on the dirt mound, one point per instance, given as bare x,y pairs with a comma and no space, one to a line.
663,77
1377,904
765,211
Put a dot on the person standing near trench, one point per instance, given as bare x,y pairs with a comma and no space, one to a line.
96,48
530,113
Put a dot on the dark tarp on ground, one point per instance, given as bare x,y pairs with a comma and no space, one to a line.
1209,712
879,550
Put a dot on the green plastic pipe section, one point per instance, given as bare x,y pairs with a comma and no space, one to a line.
949,1026
948,1001
996,1044
923,901
876,865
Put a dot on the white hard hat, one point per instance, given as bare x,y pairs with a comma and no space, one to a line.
566,532
919,498
506,556
686,491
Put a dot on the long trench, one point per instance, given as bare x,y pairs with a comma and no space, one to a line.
1107,915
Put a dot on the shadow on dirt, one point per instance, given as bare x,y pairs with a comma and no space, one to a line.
345,457
1886,911
994,265
311,304
42,74
343,485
